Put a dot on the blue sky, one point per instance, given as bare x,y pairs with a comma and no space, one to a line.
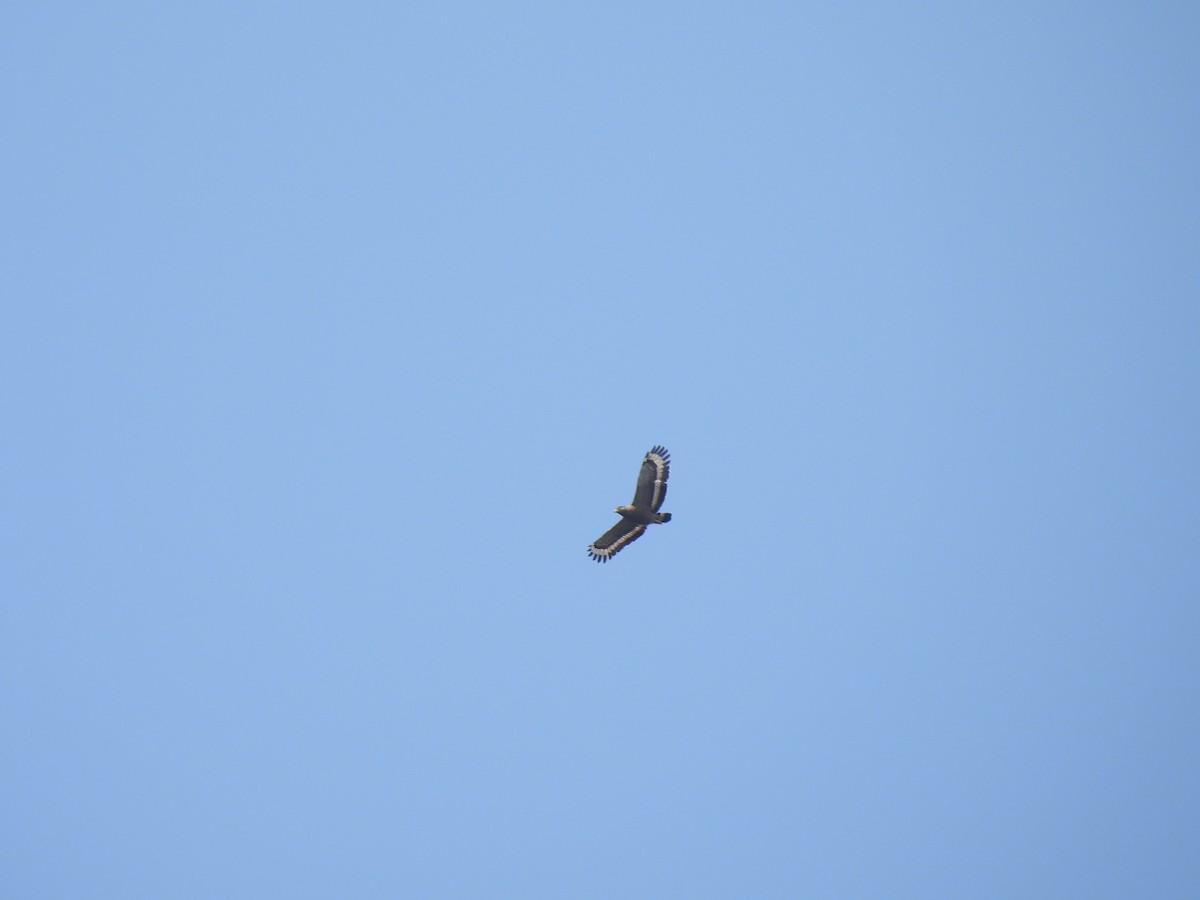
333,334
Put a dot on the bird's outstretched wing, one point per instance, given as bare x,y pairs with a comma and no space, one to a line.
609,544
652,479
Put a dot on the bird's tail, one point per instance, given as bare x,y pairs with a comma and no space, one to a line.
662,517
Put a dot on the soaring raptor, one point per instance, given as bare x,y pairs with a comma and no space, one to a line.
648,498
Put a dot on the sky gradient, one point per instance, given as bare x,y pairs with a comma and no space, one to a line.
333,334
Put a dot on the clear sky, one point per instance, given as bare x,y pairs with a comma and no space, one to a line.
333,333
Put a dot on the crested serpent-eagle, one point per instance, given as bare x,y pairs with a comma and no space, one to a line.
648,498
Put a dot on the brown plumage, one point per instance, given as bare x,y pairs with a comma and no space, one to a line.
648,498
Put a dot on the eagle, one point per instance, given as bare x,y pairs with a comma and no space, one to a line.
648,498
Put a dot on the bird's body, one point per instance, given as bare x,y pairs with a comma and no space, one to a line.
648,498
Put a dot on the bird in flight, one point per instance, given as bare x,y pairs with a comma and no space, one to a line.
648,498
